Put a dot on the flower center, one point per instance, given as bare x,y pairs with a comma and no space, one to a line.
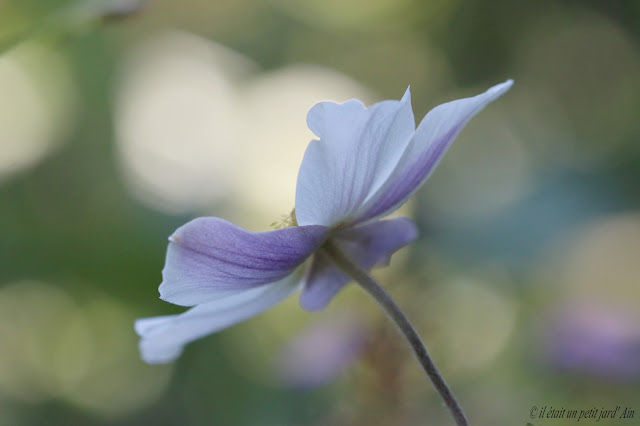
286,221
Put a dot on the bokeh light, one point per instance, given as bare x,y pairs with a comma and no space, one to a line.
174,116
36,106
573,60
473,323
606,251
55,347
196,126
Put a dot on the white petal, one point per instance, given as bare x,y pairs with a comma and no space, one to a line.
433,136
357,151
163,338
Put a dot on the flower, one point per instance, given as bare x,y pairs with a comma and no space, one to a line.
321,350
366,163
594,340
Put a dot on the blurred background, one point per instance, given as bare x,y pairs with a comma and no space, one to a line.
120,121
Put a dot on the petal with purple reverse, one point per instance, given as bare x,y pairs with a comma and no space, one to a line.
322,282
164,337
369,245
433,136
209,258
357,150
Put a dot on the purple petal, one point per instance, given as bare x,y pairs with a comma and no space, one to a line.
321,351
358,149
369,245
163,338
323,281
433,136
593,339
209,258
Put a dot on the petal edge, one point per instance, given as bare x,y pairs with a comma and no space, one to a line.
163,338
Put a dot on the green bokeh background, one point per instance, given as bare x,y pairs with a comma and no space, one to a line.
534,213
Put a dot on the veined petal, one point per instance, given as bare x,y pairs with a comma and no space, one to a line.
209,258
357,150
163,338
431,140
369,245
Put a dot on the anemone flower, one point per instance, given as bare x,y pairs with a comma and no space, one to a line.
364,165
594,340
321,350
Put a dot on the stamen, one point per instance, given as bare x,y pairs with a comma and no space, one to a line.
286,221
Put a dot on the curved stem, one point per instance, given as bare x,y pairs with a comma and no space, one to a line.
360,276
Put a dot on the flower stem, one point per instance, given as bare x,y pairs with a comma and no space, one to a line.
360,276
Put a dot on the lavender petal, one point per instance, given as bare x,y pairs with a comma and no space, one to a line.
209,258
369,245
432,138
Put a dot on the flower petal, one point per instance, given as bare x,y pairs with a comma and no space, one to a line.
369,245
357,150
323,281
431,140
164,337
209,258
321,350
